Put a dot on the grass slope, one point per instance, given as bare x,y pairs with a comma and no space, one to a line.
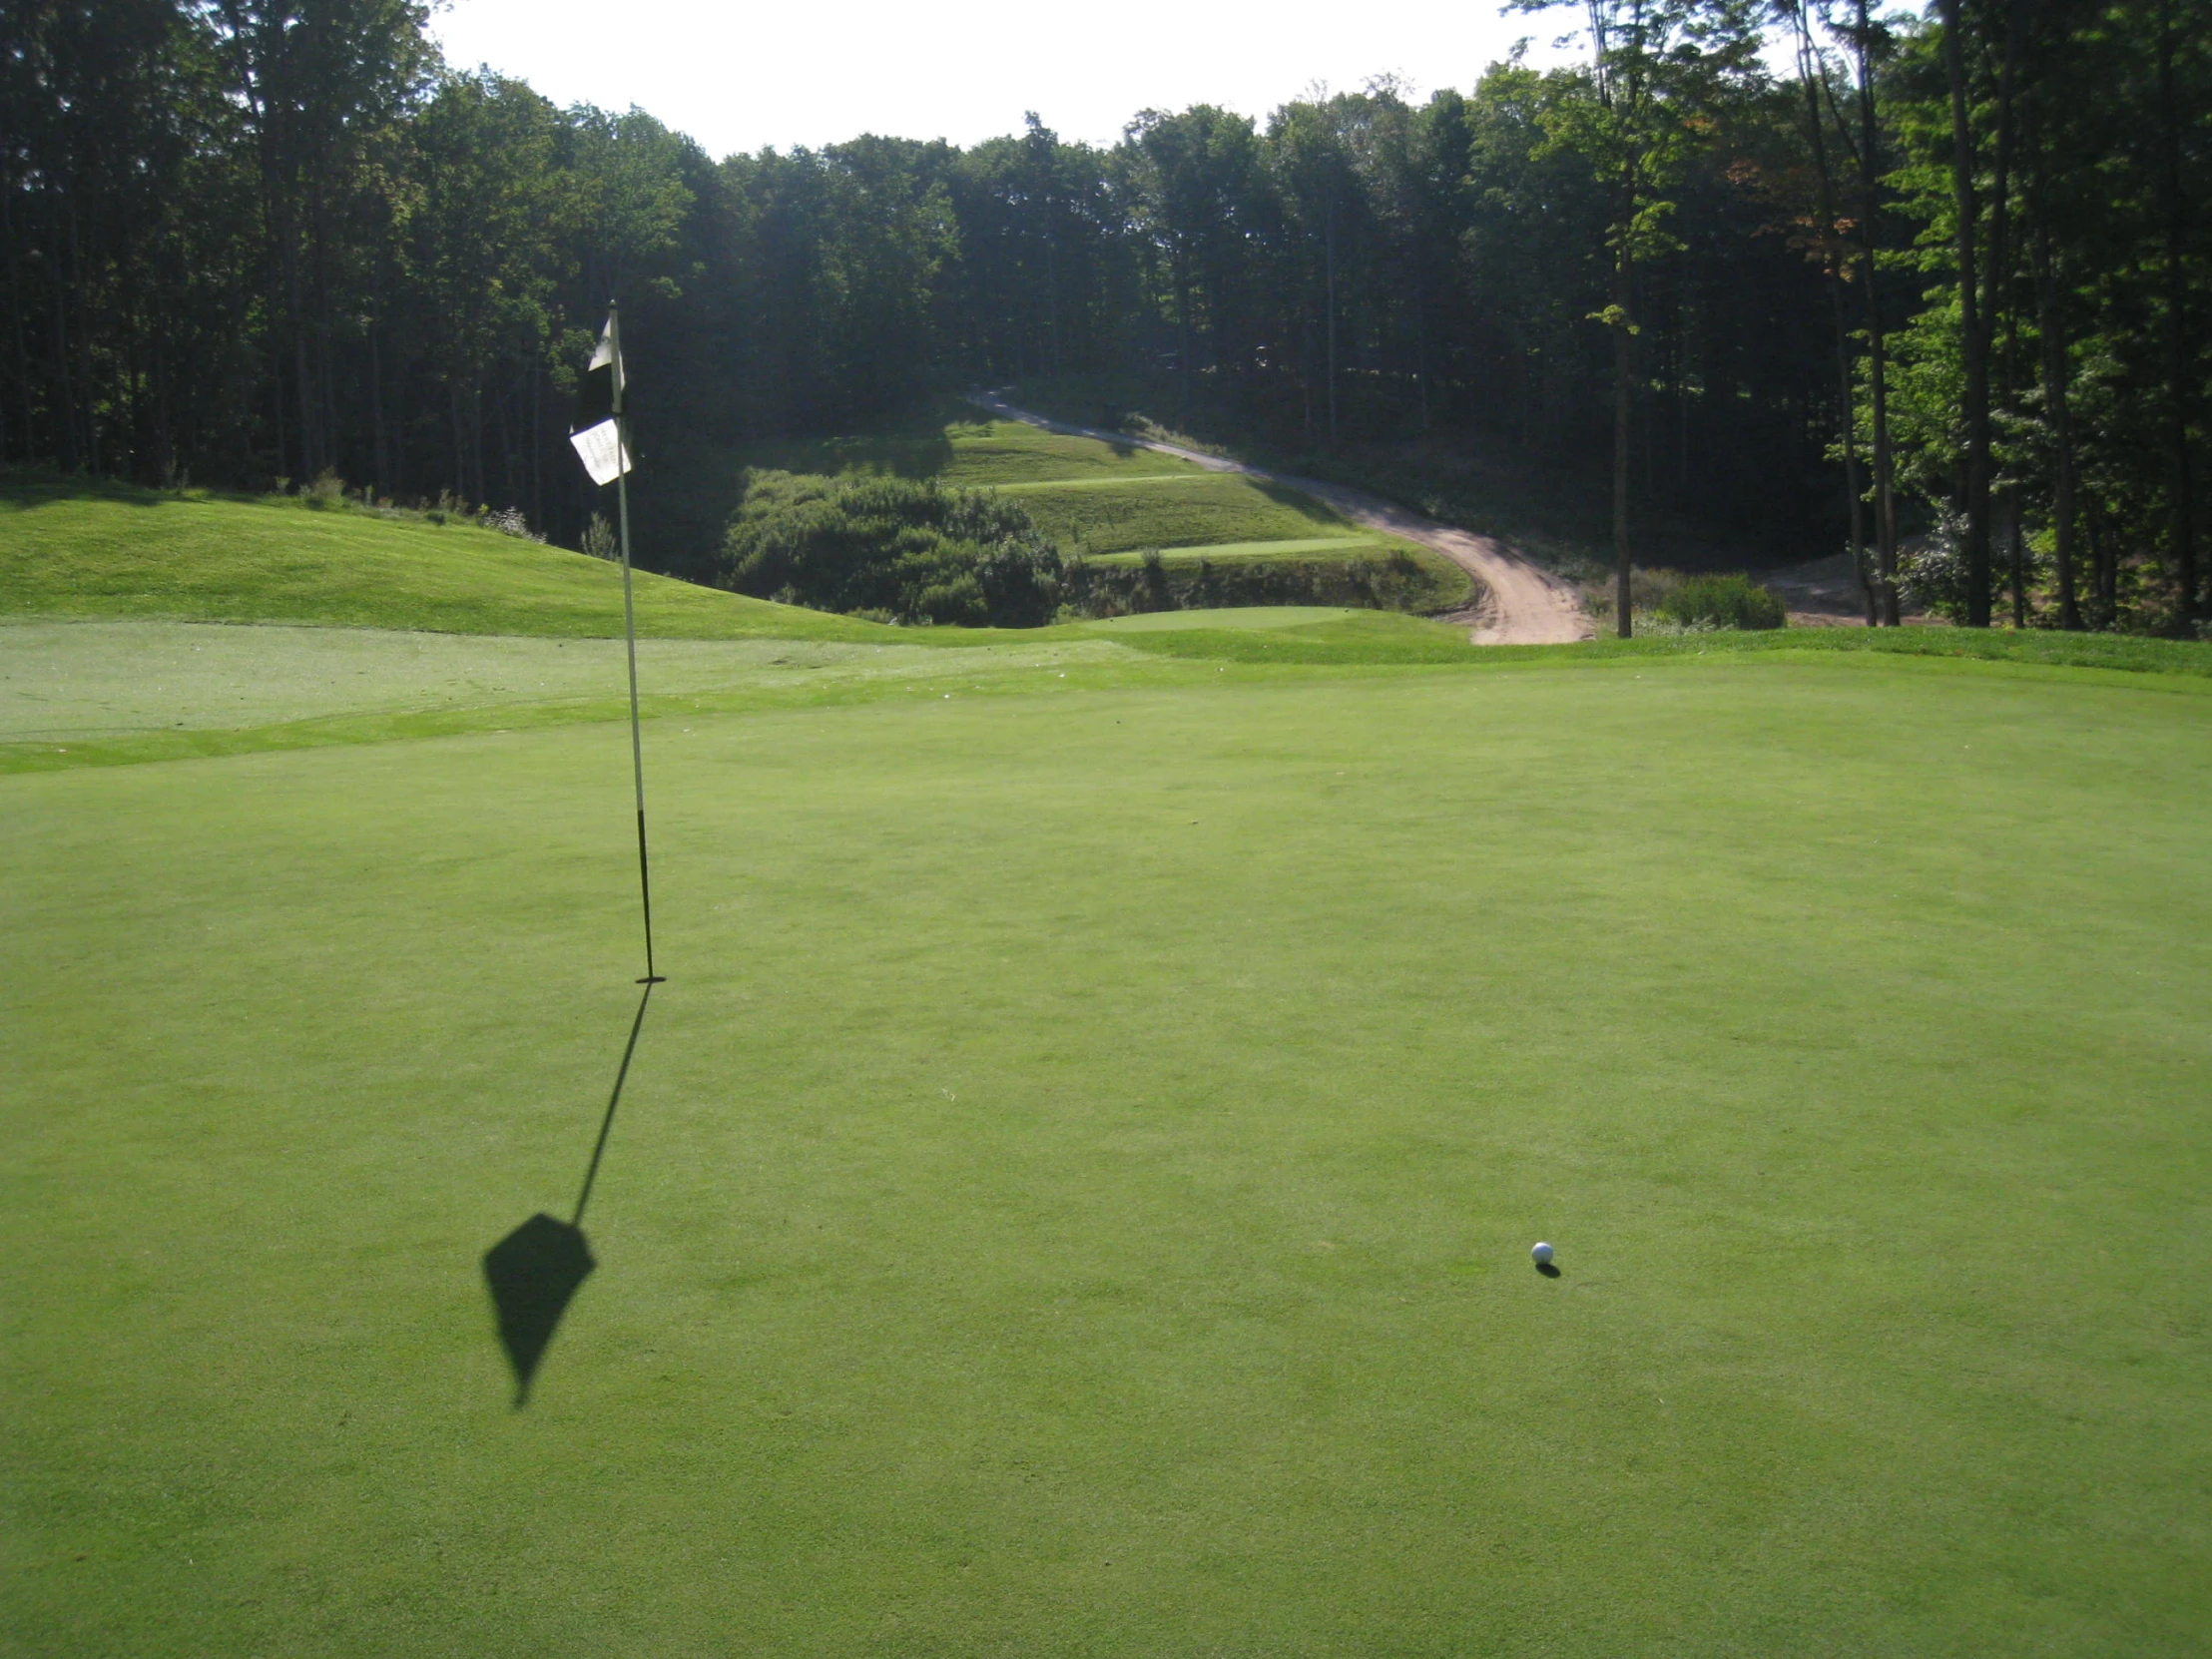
1103,500
1073,1194
1201,509
972,453
1257,551
69,550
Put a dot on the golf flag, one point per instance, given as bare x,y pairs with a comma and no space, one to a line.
597,437
600,450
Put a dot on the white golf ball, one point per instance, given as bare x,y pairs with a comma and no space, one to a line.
1542,1253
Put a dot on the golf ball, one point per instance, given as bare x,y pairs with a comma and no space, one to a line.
1542,1253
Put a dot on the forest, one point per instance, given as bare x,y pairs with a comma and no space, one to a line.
1932,288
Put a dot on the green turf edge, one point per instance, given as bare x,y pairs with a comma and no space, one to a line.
1336,642
332,731
1379,643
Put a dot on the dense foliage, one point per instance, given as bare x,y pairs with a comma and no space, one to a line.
1953,263
896,549
1727,601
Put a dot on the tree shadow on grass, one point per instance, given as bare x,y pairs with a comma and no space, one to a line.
535,1271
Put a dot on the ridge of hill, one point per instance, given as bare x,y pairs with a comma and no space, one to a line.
77,548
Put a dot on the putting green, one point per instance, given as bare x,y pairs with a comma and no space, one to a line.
1075,1191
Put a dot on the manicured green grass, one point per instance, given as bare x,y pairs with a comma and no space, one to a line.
970,453
103,693
1092,496
1203,509
1260,551
72,551
1073,1193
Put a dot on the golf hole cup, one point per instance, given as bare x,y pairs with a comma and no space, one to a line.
1542,1255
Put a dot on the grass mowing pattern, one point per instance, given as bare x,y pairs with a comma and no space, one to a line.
107,693
71,550
1075,1192
1184,512
971,453
1106,499
1257,551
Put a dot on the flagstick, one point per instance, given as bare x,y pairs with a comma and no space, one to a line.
629,638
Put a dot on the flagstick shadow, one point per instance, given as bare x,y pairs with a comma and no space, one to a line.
535,1271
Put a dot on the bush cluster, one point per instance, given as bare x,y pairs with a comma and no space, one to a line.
906,549
1722,602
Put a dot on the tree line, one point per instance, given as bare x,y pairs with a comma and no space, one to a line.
1827,276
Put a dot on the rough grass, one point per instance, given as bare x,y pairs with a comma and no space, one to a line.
1073,1193
69,549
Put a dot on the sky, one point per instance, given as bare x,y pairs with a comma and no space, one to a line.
748,77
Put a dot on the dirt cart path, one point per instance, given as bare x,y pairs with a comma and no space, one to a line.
1519,604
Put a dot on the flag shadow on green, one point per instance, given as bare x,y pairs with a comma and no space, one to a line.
532,1274
535,1271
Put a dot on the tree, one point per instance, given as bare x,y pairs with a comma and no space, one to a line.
1656,66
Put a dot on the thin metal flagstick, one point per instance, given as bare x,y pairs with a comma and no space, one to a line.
630,637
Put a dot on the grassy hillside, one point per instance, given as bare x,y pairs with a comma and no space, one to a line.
70,550
1192,511
973,453
1073,1193
1101,499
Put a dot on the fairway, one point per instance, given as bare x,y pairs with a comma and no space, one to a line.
1115,501
1075,1191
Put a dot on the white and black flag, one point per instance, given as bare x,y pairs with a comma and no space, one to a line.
597,434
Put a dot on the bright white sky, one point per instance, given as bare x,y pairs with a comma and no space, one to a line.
744,76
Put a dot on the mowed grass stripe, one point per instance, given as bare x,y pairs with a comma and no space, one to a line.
971,454
1075,1189
1296,547
1205,509
1191,478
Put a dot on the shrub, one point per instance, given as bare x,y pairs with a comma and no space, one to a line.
1932,576
1722,602
600,540
510,521
900,547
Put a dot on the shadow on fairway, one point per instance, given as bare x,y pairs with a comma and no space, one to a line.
535,1271
1544,1267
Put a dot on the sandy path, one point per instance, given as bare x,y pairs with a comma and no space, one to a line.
1520,604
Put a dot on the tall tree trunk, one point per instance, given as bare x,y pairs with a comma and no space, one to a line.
1623,383
1328,259
19,307
1420,341
2056,410
1996,303
1878,350
1854,493
476,485
1973,344
459,486
2017,548
2181,369
1182,341
1810,72
310,453
379,437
